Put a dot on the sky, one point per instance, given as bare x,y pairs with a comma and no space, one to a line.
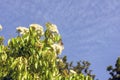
90,29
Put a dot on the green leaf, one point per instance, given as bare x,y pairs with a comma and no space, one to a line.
14,64
4,56
36,65
32,41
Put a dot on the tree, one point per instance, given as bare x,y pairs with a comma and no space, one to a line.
114,72
81,67
33,55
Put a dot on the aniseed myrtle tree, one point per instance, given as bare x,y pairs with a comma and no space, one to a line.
33,55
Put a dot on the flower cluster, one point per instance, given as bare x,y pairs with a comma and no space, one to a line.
52,27
22,30
37,28
58,48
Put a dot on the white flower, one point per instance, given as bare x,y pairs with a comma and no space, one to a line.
59,60
38,28
72,71
22,30
0,27
57,48
52,27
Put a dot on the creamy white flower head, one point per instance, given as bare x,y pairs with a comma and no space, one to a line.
57,48
72,71
22,30
38,28
0,27
52,27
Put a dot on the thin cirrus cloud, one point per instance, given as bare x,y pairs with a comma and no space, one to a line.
89,29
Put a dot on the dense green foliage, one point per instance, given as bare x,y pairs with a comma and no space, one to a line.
33,55
81,67
114,72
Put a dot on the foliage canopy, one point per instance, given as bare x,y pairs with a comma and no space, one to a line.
114,72
33,55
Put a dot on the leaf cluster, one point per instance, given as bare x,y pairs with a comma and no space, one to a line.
114,72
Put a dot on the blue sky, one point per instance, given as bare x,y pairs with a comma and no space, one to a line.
90,29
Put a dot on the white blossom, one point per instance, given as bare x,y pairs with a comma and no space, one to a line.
22,30
0,27
52,27
38,28
57,48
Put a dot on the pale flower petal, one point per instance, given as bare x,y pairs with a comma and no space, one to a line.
0,27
